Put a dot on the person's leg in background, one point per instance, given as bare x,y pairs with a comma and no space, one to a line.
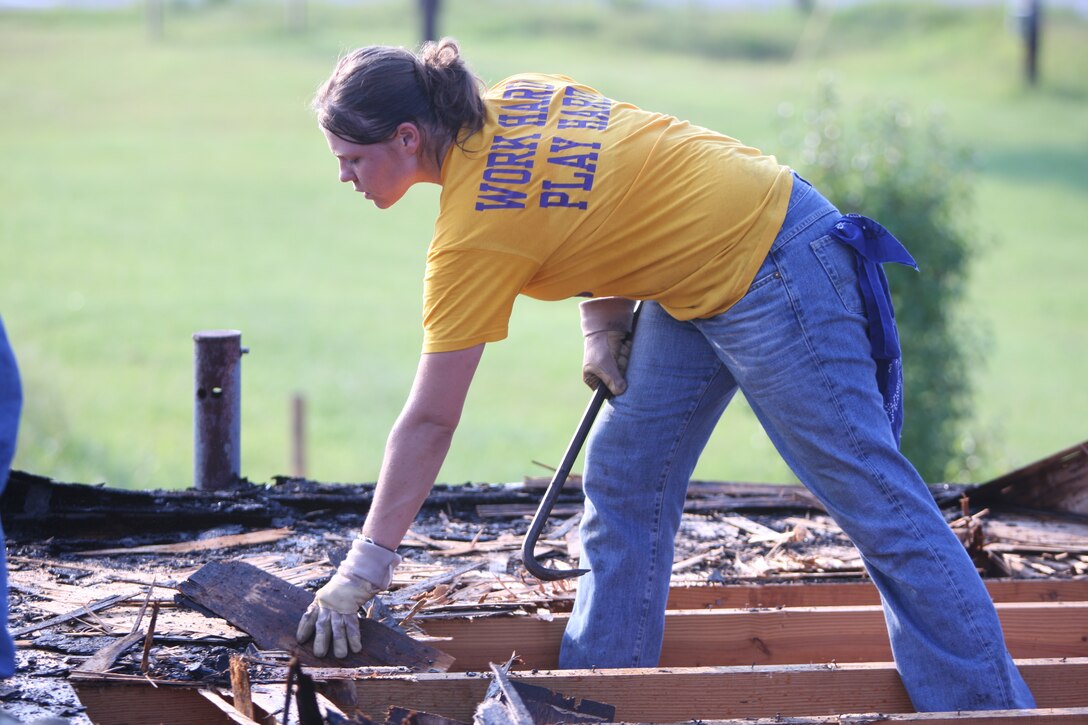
11,402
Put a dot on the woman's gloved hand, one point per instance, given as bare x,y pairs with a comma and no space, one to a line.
606,325
334,614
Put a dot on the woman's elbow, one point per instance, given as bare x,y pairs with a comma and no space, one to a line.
434,425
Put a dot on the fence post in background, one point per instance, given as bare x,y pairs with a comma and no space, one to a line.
1032,22
217,408
429,11
295,10
1026,19
154,19
298,436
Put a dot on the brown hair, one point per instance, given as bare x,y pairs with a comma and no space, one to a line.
375,89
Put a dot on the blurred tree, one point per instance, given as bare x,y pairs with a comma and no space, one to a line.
912,179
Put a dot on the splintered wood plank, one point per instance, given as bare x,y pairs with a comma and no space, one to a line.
81,611
1047,533
268,609
729,637
232,714
104,658
725,596
214,544
1056,483
705,693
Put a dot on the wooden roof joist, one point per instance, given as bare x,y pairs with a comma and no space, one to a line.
727,637
1047,716
701,693
844,594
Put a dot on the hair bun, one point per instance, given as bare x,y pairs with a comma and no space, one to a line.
440,55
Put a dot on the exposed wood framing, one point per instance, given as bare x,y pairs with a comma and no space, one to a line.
763,652
741,596
1048,716
704,693
108,703
728,637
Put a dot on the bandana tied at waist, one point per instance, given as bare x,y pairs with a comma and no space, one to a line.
875,245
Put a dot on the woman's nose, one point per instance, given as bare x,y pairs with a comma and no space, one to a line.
346,174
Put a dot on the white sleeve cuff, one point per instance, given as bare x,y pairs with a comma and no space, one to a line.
371,562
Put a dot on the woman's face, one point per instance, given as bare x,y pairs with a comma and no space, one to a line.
381,171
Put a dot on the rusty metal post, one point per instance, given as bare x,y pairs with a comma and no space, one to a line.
217,408
429,10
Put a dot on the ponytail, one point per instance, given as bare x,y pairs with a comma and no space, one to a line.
375,89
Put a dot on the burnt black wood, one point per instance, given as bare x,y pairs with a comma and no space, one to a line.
268,608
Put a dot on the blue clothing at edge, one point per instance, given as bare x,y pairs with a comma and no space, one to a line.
798,346
11,403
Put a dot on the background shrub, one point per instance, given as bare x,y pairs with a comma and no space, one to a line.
903,171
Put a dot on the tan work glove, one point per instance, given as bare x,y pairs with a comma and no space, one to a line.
606,325
334,614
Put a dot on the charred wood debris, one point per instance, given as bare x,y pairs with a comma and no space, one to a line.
97,575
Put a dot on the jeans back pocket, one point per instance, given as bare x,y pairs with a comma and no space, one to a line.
840,263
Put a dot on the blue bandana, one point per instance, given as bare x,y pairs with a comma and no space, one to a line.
874,246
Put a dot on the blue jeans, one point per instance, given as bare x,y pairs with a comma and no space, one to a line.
11,402
797,345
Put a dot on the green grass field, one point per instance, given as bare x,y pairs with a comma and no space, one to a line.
151,189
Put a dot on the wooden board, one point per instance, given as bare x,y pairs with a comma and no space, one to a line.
684,694
268,608
114,704
729,637
1047,716
810,693
1056,483
843,594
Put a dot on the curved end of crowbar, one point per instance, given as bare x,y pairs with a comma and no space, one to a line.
534,567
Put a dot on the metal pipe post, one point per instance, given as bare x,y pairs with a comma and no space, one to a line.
298,436
217,408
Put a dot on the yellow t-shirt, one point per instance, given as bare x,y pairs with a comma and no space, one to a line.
567,193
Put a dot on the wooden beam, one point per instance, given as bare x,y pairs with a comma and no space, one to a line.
739,596
109,703
734,637
1048,716
810,693
703,693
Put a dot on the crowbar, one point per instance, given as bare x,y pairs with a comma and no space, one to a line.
544,510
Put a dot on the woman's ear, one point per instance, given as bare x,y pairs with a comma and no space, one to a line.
409,137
